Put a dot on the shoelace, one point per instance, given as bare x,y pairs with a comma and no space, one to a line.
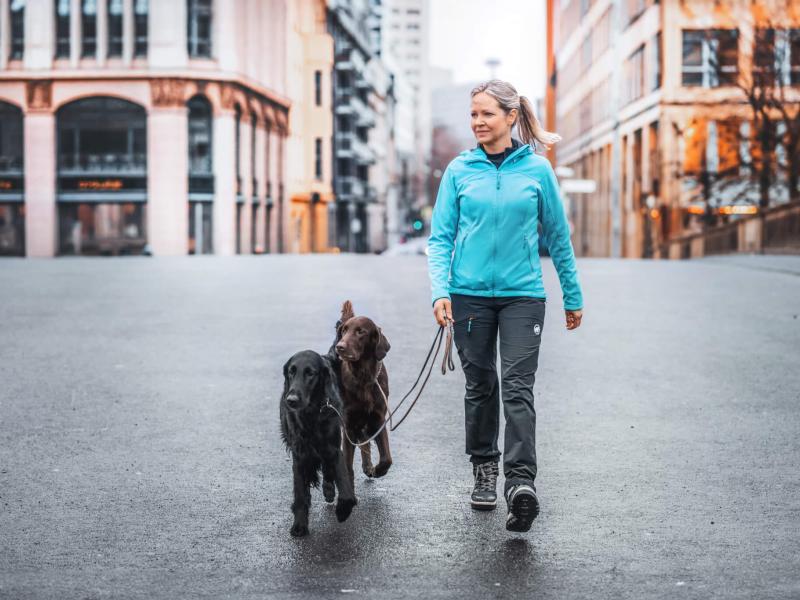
486,477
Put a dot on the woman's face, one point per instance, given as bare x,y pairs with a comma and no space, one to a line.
490,123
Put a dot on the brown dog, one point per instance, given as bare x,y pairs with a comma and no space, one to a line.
361,347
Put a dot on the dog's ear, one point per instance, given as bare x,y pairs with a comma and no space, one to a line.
382,345
286,376
347,311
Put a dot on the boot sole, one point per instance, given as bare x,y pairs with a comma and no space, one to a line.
478,505
523,511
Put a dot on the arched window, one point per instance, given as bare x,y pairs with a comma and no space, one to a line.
102,135
200,159
201,178
102,176
12,219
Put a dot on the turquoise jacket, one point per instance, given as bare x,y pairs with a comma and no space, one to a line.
484,239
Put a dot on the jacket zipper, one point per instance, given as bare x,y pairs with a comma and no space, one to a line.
494,231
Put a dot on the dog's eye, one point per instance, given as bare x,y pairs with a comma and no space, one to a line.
360,332
308,373
292,370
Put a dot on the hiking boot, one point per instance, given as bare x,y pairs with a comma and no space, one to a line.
484,495
523,507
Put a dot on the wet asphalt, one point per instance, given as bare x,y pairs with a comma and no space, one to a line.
140,454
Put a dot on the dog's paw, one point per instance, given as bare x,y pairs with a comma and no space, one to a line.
381,468
299,530
328,491
369,470
344,507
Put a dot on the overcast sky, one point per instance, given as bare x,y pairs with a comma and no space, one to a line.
464,33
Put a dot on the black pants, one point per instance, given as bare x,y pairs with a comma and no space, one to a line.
519,321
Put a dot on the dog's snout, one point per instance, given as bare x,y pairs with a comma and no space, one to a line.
292,398
339,346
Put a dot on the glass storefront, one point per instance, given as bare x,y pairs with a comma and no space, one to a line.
200,241
12,182
102,229
102,177
12,229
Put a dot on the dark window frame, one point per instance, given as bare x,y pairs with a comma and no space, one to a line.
62,27
141,15
88,29
318,159
115,28
199,16
16,29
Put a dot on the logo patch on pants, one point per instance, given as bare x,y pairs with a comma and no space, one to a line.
537,329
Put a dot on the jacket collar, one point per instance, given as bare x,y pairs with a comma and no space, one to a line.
477,154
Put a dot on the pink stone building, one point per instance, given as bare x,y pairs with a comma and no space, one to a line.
130,126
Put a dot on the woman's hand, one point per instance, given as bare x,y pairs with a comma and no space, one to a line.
442,310
573,318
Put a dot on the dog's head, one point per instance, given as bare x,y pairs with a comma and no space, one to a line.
307,380
360,337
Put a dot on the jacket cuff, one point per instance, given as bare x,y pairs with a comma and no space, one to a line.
439,296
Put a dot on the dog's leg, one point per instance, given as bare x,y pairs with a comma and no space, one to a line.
366,460
347,497
328,479
302,501
349,455
385,461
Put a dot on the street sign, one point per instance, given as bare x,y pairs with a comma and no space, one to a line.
578,186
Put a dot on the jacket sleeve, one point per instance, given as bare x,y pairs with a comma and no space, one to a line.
444,224
555,229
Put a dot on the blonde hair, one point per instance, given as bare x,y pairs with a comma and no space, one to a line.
528,126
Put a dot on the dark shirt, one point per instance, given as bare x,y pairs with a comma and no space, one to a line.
498,158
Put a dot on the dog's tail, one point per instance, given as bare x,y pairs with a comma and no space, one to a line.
347,311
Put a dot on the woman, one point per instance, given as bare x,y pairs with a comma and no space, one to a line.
486,278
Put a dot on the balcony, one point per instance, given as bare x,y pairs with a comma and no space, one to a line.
102,164
350,187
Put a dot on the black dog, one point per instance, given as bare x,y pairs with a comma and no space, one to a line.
311,432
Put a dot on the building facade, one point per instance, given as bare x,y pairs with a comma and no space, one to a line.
131,126
310,151
354,117
651,100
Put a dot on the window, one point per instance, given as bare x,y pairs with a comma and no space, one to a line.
655,67
634,72
115,27
89,28
586,53
200,158
727,56
693,58
413,11
728,144
412,26
318,88
140,28
794,57
199,27
17,8
238,149
254,189
710,58
318,158
62,28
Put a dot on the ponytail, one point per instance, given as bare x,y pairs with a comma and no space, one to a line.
529,127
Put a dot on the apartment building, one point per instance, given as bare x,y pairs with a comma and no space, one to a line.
650,103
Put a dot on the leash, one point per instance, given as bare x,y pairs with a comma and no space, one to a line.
447,364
